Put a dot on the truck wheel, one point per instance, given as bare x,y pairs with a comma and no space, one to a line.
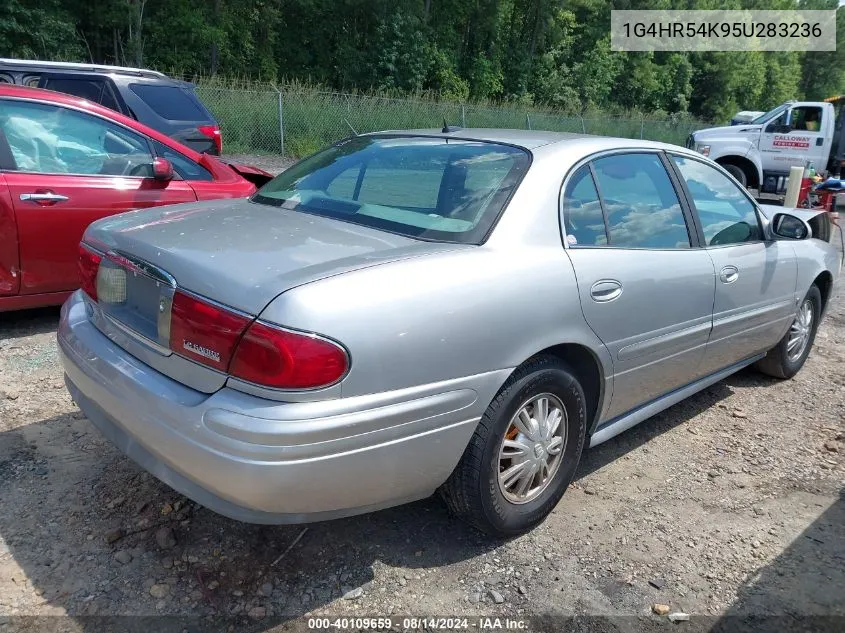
737,173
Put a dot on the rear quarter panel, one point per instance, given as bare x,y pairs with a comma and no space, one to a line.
438,317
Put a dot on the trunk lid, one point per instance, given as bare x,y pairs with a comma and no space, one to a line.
237,253
243,254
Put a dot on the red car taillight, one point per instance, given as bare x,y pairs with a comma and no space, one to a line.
89,264
213,132
204,332
283,359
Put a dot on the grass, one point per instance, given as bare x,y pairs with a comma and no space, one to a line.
248,114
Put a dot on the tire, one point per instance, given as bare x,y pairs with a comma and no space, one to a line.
777,362
473,491
737,173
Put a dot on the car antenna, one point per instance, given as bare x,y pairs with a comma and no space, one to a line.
448,128
350,127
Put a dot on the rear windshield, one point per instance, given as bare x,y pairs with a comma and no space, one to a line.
438,189
171,102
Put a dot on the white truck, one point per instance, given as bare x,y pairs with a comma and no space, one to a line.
759,154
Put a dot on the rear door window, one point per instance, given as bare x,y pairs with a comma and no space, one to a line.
643,210
85,88
170,102
94,90
582,214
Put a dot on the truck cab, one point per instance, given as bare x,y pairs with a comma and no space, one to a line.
759,154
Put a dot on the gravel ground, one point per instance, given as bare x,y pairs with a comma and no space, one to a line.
728,505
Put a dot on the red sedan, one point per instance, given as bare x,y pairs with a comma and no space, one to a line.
65,162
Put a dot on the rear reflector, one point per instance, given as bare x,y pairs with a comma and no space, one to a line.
282,359
89,264
203,332
213,132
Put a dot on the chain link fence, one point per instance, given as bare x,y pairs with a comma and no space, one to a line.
298,122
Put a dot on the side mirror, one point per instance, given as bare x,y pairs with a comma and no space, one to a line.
162,169
790,227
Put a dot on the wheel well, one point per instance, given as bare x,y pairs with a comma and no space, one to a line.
825,283
752,178
586,368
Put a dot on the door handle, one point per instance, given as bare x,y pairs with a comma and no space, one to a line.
43,197
605,290
729,274
820,140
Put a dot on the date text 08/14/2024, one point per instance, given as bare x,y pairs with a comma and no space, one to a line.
410,623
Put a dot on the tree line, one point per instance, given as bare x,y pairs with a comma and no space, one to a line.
535,52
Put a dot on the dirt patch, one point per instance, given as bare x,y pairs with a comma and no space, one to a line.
725,505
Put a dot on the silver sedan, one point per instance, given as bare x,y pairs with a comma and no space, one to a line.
407,312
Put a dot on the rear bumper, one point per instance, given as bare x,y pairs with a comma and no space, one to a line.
263,461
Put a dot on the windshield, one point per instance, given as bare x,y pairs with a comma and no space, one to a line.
440,189
771,114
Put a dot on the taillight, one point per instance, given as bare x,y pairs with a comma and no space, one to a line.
213,132
89,264
250,350
204,332
279,358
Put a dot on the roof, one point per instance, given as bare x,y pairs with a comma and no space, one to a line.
534,139
529,139
24,64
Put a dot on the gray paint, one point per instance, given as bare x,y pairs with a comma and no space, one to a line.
433,331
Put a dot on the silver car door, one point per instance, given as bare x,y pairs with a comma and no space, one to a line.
755,278
645,289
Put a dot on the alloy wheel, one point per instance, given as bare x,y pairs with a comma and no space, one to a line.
532,448
799,331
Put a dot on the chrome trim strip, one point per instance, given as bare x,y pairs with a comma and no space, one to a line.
136,336
140,266
667,341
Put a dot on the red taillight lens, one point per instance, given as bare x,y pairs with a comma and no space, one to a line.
203,332
250,350
283,359
89,264
213,132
